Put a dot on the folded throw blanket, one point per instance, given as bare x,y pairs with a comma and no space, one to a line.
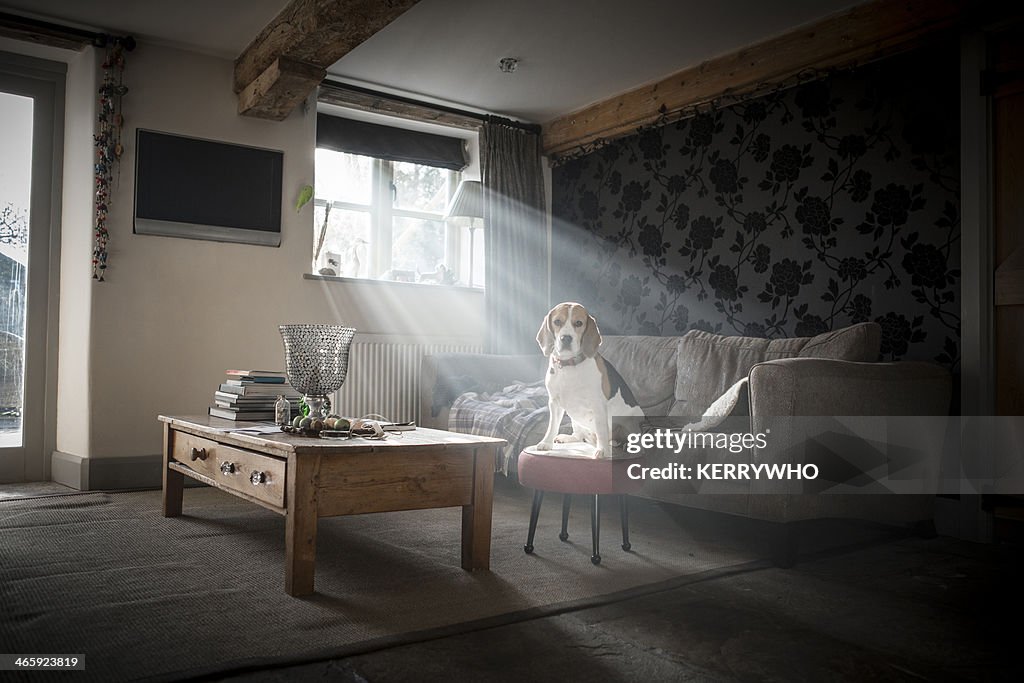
722,408
510,414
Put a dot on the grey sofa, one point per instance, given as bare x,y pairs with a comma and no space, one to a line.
830,374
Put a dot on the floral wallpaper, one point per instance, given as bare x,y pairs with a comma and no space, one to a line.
818,206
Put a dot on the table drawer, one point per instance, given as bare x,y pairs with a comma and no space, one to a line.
254,474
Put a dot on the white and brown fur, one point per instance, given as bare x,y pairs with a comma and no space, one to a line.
580,382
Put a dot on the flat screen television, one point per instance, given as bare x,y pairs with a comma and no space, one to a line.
207,190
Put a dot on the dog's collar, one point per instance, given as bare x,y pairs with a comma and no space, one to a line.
569,362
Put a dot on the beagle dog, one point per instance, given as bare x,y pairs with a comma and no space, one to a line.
580,382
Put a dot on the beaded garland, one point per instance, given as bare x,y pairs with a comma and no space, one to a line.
108,150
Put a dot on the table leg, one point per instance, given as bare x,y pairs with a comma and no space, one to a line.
476,518
173,482
300,525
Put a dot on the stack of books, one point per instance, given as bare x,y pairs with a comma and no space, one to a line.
250,395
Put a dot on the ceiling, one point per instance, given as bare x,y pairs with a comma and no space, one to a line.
219,27
572,52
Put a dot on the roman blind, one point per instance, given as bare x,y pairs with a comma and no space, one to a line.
392,144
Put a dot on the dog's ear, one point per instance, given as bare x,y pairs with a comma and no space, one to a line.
591,338
545,337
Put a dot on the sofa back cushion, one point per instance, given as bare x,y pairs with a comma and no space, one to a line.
708,364
860,343
648,366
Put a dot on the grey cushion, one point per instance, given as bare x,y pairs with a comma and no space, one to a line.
708,364
860,343
648,366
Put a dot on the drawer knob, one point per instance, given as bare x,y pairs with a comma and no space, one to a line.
198,454
228,468
258,478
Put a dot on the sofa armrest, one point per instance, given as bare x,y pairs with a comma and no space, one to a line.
816,386
797,387
445,376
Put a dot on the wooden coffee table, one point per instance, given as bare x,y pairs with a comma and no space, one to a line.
306,478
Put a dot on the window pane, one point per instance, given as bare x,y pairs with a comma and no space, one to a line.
346,242
343,177
417,245
420,188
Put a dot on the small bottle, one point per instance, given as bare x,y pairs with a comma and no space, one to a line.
282,411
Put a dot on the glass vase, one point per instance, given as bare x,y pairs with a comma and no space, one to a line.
316,361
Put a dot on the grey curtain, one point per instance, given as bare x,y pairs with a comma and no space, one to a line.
516,241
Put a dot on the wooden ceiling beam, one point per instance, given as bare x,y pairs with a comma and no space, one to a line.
276,91
278,69
353,98
864,33
52,34
22,28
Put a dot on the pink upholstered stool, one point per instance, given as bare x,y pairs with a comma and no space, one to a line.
567,470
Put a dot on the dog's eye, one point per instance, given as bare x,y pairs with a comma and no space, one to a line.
578,323
558,323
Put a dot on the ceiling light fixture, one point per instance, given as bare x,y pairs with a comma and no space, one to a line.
508,64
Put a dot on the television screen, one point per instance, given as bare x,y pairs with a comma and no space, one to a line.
201,189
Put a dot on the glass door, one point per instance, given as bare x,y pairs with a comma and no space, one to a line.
30,150
15,205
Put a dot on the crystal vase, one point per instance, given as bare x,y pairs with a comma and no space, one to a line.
316,361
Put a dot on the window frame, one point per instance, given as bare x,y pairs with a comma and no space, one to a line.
382,212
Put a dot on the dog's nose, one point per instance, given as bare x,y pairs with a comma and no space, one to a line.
566,339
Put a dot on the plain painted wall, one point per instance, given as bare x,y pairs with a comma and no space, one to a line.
76,253
175,313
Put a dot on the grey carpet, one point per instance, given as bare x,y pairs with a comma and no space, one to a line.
35,489
145,597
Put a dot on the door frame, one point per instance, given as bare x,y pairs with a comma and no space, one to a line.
976,243
44,81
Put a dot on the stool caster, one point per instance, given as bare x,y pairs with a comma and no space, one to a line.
595,559
562,536
627,546
528,549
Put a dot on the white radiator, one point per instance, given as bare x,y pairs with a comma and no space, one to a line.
384,374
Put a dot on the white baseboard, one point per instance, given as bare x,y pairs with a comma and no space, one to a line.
70,470
99,473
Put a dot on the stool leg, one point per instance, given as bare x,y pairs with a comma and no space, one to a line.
538,498
595,529
566,502
624,505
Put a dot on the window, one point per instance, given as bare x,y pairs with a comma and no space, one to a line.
385,220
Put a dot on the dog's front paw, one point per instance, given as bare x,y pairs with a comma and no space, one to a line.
598,453
543,446
567,438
